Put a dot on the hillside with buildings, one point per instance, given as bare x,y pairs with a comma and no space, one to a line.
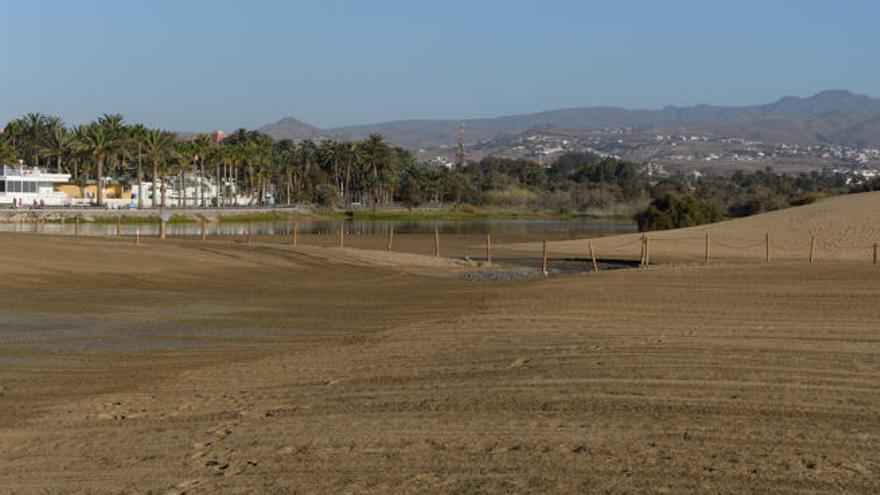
834,128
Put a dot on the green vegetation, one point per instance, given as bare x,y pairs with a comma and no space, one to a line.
128,220
464,213
679,202
370,176
268,216
330,174
674,211
135,220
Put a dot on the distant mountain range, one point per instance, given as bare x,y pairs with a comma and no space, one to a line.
833,117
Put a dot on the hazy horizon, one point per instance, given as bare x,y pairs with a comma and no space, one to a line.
199,66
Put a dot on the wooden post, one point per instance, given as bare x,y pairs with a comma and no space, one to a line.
250,234
707,248
342,236
436,241
118,225
37,225
647,250
875,254
162,229
76,225
593,257
544,259
137,236
642,251
767,245
390,239
812,247
489,249
293,234
204,229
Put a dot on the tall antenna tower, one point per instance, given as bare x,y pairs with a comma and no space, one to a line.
460,157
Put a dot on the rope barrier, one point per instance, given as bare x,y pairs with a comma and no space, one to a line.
852,248
780,247
617,246
738,247
669,239
684,249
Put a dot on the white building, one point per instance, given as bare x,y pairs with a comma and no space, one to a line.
196,190
27,185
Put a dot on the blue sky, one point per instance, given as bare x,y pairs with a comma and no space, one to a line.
194,65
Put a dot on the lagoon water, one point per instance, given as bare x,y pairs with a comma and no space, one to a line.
571,228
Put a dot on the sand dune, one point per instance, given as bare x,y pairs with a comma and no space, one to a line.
218,367
845,228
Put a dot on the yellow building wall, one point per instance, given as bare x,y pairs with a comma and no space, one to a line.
113,191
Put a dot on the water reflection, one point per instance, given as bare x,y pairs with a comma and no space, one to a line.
516,227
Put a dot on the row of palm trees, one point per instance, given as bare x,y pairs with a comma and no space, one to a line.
246,163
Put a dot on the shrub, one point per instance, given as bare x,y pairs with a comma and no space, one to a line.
326,195
673,211
511,196
805,199
411,193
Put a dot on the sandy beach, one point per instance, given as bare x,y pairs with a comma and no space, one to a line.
218,367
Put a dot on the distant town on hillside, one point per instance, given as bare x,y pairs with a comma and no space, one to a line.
836,131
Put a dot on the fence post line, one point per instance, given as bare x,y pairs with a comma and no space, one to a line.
647,250
390,245
489,249
544,259
76,225
767,244
250,234
137,236
204,229
707,248
436,241
294,234
162,229
37,224
118,225
341,236
812,247
593,257
875,253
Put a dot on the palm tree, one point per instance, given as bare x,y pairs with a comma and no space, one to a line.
262,154
79,157
215,156
226,155
307,154
284,154
241,139
33,127
201,146
8,154
114,124
12,134
375,152
185,157
99,143
158,146
58,145
137,134
351,155
330,153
